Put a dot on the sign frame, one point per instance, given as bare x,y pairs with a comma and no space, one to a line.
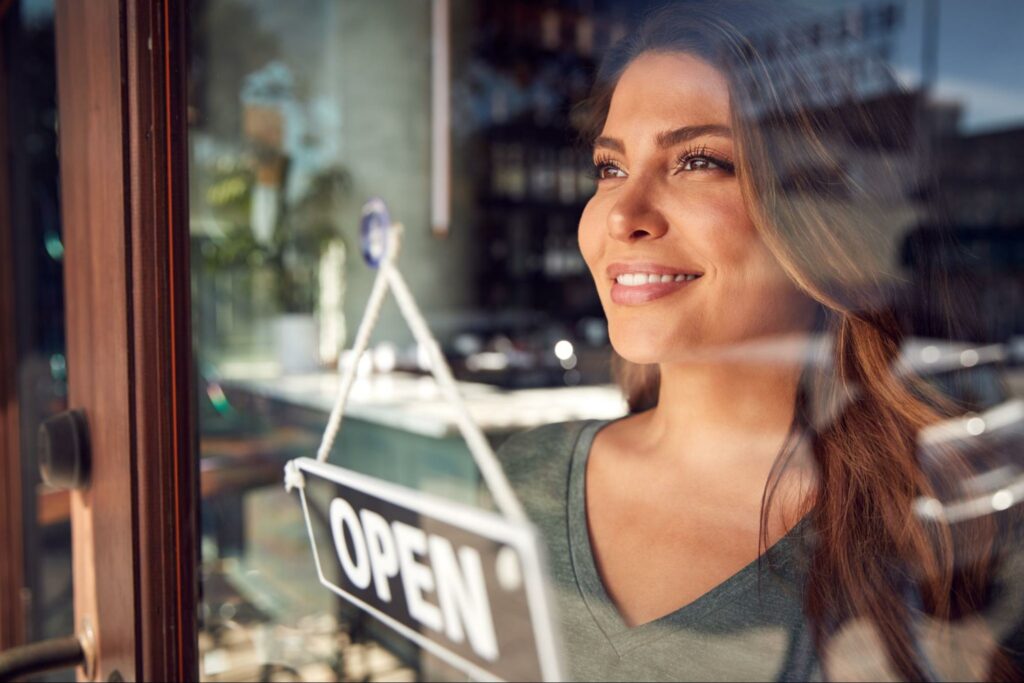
484,523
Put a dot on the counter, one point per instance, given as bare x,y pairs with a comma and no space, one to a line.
397,426
413,403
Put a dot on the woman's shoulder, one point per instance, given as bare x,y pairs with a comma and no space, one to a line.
538,464
541,451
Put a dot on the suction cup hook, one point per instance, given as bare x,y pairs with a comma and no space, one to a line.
374,228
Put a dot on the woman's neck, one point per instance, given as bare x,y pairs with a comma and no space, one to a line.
733,409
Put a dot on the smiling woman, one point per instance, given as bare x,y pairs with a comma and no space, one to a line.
669,201
754,516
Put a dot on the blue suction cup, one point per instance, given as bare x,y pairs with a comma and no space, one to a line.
374,227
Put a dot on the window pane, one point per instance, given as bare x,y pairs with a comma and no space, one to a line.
28,108
741,281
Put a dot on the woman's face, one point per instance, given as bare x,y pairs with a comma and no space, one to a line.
668,205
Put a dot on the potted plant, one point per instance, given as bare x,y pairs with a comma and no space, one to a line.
293,254
282,259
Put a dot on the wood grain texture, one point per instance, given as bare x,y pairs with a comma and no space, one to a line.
89,87
121,83
12,579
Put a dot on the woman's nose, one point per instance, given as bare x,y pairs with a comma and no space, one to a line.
635,217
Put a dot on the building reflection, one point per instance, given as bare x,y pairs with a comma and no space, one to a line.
293,124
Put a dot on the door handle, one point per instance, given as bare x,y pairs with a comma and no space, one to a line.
63,449
37,658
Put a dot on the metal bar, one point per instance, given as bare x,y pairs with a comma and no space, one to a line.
37,658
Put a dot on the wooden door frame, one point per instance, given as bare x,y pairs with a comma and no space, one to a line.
121,71
13,622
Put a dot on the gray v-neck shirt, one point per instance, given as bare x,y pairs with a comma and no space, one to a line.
749,627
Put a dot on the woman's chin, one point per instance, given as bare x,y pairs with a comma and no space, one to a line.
645,350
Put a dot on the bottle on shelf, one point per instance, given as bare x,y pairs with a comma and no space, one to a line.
551,29
552,257
543,176
585,35
515,187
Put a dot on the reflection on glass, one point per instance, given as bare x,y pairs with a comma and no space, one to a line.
852,240
295,119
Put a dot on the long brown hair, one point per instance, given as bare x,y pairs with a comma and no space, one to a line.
832,232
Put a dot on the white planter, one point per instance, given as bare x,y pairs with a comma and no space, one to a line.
295,342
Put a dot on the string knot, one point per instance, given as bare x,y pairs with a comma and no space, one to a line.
293,478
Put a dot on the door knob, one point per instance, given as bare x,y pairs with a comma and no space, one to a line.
63,449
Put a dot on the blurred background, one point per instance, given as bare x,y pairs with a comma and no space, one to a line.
301,111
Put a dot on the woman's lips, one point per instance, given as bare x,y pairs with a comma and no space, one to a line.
631,295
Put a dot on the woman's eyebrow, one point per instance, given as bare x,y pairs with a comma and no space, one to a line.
671,138
614,144
668,138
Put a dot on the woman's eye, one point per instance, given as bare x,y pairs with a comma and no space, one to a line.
702,159
699,164
606,171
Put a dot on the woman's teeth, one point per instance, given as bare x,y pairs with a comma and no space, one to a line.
636,279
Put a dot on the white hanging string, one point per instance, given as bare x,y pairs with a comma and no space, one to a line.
366,325
479,447
488,463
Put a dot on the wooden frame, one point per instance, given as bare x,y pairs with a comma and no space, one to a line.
121,86
166,440
12,576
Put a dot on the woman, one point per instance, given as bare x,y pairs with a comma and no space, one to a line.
753,517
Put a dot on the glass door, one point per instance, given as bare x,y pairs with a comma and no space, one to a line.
457,115
121,120
214,157
296,118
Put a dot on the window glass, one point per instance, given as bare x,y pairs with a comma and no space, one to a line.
29,111
733,281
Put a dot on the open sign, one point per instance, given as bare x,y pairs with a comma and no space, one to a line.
463,583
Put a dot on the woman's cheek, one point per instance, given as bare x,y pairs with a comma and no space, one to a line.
723,232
